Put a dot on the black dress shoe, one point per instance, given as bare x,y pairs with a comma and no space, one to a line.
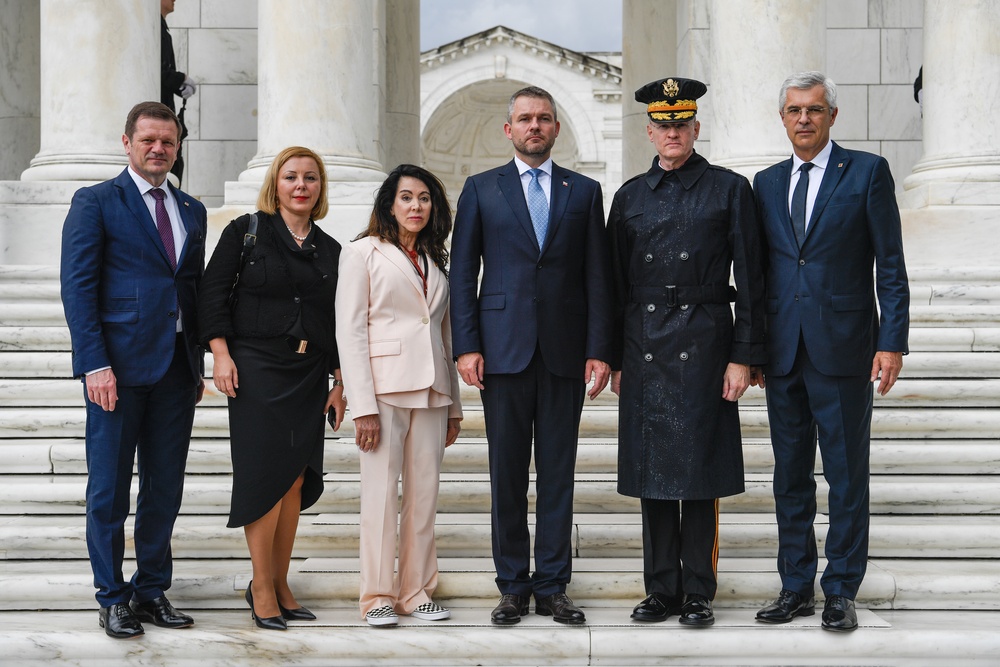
160,612
788,605
268,622
119,622
697,612
560,608
510,609
839,614
656,608
300,614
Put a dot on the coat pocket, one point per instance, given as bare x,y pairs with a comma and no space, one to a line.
384,348
492,302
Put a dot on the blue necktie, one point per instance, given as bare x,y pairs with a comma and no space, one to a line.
799,202
538,207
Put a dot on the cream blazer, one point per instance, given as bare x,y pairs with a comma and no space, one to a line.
390,338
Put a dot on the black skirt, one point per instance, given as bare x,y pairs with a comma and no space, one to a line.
276,425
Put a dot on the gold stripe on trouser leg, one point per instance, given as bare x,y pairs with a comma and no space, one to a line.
715,547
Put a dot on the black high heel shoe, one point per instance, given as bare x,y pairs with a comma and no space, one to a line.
268,623
300,614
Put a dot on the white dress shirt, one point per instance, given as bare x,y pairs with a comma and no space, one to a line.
544,178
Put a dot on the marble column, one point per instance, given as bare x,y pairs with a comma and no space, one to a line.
649,52
951,204
321,77
318,85
98,59
401,124
748,67
19,86
961,136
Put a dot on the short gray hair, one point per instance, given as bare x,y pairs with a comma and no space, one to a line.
531,91
805,81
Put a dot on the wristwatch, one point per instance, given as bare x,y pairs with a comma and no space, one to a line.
338,383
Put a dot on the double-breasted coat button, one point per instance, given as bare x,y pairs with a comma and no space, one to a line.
649,257
297,300
685,255
651,307
683,356
647,356
684,306
424,320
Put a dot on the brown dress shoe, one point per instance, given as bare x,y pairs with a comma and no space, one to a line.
560,608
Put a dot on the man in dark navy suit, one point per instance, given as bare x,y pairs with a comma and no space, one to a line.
530,338
829,216
133,252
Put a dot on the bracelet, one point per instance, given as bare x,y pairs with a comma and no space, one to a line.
338,383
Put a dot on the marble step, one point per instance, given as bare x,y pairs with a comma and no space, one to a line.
917,365
27,312
594,455
598,421
909,392
333,582
925,338
470,493
468,535
224,638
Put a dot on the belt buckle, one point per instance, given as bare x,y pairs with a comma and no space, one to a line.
671,295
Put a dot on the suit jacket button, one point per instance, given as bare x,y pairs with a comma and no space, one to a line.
649,257
685,255
802,262
539,267
647,357
297,300
684,306
650,308
172,314
424,320
683,356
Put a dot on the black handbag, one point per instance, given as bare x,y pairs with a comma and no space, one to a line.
249,241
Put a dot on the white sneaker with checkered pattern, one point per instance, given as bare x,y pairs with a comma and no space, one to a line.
382,616
431,611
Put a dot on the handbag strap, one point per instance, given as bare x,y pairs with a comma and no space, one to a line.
249,241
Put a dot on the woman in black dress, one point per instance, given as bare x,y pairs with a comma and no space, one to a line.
274,351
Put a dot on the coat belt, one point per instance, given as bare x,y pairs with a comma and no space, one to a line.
675,295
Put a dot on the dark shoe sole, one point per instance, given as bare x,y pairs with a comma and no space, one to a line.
564,621
648,619
117,636
697,623
505,621
779,621
833,628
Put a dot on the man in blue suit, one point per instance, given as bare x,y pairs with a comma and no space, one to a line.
530,338
133,252
829,216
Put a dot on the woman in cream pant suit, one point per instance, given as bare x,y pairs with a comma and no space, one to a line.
394,337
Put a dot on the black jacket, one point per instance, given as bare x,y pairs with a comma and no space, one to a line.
170,78
280,284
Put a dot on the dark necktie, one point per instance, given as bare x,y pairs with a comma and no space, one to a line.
799,202
163,226
538,207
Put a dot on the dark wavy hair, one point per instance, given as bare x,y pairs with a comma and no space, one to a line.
432,238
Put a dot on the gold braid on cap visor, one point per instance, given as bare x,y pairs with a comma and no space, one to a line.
679,110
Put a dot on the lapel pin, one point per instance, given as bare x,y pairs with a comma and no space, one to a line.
839,165
186,204
565,184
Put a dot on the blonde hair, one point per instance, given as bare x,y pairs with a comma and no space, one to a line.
267,200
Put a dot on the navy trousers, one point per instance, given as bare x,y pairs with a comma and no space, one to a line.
516,407
154,421
801,407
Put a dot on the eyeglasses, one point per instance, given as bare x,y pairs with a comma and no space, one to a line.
811,112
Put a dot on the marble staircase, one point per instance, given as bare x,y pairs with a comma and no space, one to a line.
932,593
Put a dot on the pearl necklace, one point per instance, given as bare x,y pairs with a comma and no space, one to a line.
296,236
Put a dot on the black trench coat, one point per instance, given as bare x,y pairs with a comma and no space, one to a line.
674,237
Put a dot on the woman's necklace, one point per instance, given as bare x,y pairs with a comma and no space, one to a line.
296,236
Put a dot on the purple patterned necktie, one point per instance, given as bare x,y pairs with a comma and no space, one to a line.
163,226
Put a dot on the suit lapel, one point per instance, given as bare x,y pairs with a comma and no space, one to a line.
831,177
562,189
509,182
134,203
187,219
398,258
780,203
